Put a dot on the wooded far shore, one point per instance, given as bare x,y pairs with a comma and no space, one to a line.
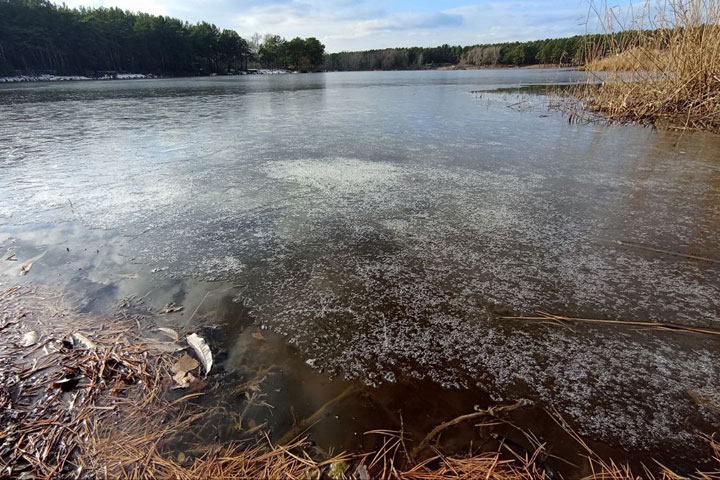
39,37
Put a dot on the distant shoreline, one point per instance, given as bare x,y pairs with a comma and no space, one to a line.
121,76
71,78
504,67
140,76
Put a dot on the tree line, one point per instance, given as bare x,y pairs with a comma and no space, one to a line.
300,54
569,51
560,51
39,36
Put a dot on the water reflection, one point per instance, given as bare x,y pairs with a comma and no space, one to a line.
373,226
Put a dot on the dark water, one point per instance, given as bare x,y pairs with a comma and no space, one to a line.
373,227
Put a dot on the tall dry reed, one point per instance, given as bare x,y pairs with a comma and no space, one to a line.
660,65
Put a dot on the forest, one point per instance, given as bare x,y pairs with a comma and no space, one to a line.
558,51
37,36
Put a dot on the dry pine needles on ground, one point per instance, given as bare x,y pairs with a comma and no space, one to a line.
85,397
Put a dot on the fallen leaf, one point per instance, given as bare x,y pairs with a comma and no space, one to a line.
183,380
202,350
258,336
185,364
84,340
180,380
30,339
198,384
163,346
170,333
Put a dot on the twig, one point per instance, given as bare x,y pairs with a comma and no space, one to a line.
491,411
542,316
667,252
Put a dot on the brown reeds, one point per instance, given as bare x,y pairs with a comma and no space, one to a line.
661,68
601,469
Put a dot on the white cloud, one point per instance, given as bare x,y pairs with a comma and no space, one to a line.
364,24
156,7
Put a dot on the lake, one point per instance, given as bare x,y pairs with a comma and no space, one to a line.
360,236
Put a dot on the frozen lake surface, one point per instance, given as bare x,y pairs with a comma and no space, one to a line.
382,223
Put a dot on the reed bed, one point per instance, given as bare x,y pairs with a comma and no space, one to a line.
661,68
88,397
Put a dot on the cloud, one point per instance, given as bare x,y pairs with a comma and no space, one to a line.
365,24
156,7
409,21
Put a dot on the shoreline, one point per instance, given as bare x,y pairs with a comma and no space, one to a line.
134,400
72,78
140,76
123,76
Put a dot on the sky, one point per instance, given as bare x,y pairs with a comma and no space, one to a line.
366,24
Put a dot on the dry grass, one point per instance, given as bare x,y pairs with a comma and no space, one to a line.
116,421
601,469
663,69
634,59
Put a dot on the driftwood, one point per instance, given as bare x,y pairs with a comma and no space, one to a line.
491,411
302,426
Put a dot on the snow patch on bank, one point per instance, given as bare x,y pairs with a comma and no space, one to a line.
67,78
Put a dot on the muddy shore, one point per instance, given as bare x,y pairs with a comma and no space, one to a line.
122,396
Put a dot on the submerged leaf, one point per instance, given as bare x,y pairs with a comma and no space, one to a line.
170,333
166,347
24,269
202,350
30,339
